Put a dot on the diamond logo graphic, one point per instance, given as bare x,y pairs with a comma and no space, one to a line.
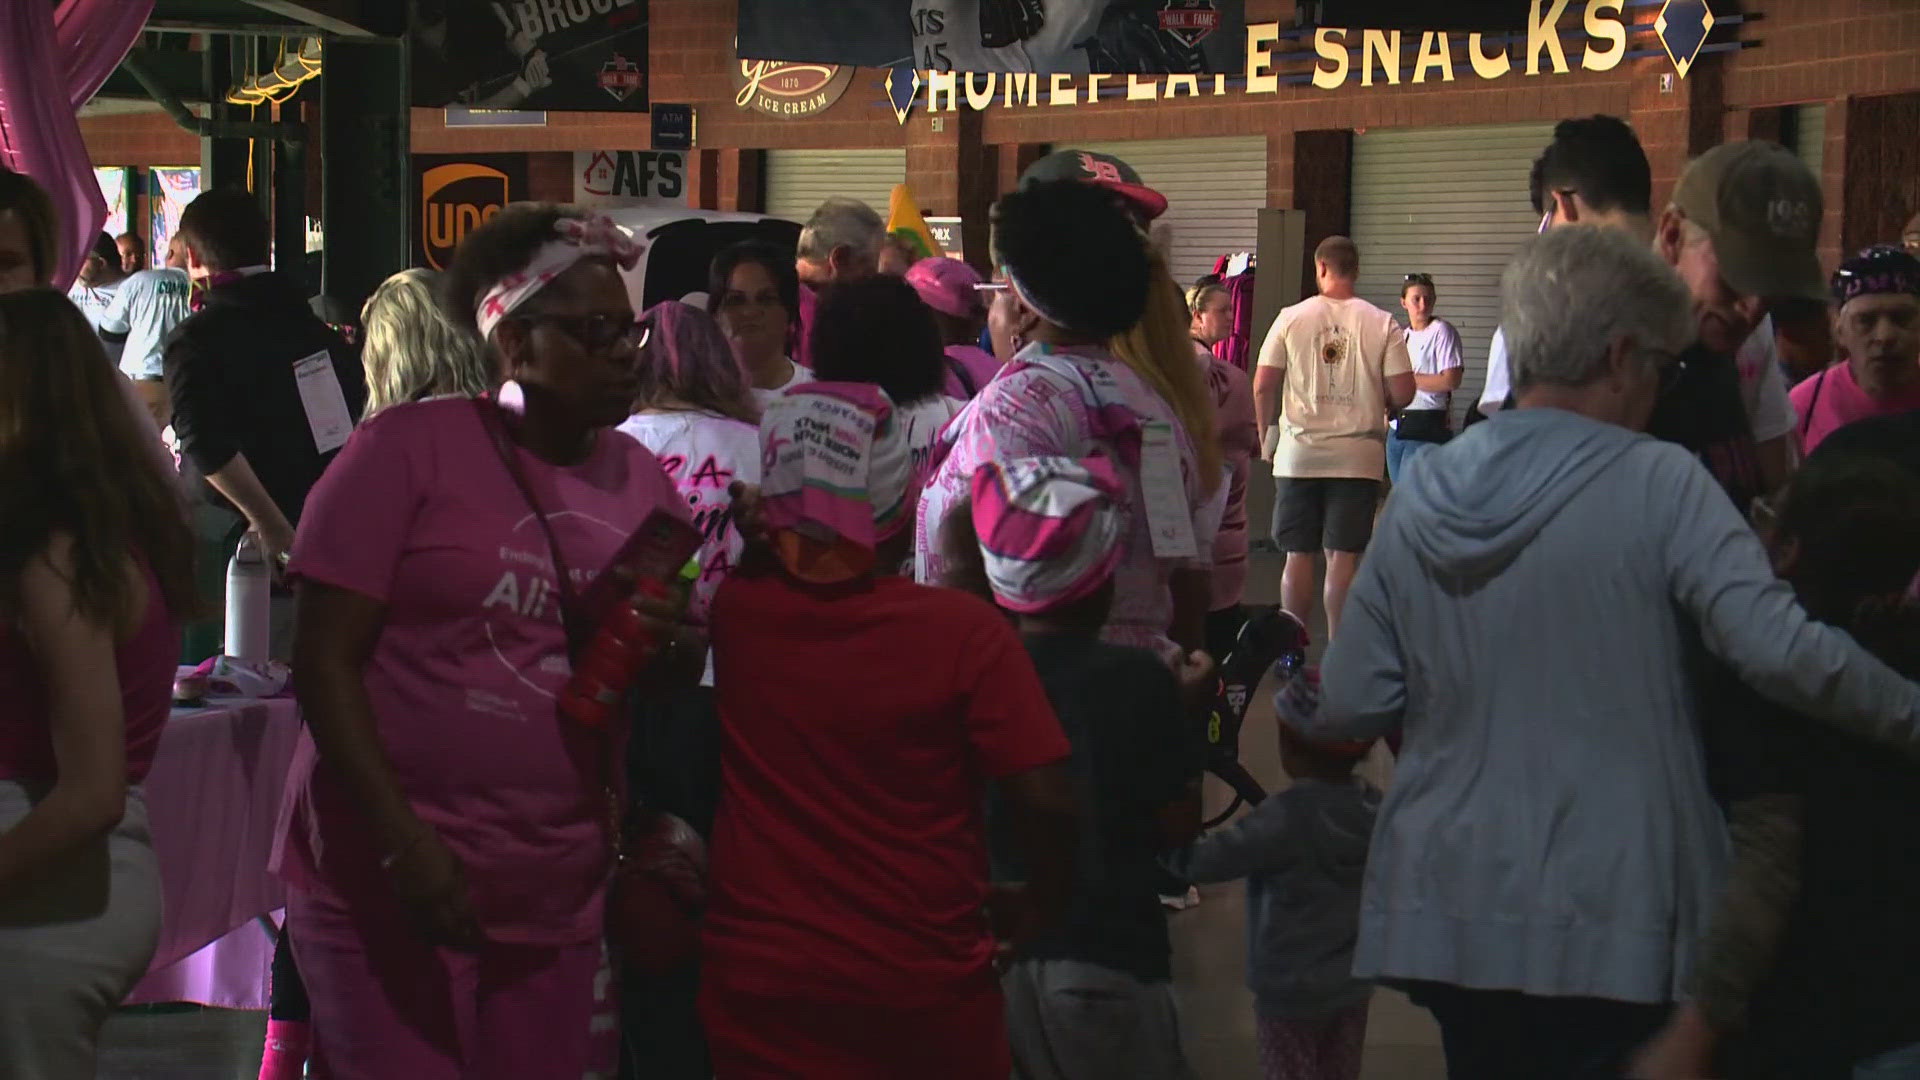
903,84
1683,26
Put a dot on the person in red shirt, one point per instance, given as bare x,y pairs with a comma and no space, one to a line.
862,716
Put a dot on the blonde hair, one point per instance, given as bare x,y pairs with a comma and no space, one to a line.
1159,350
1198,296
413,351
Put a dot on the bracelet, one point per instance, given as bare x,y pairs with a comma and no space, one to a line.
387,860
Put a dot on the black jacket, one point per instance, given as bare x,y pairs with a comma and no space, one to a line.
230,373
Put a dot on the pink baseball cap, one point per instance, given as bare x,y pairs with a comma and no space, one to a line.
946,285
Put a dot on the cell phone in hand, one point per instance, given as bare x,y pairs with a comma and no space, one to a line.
655,552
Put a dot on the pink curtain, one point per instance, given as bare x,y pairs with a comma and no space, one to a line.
51,62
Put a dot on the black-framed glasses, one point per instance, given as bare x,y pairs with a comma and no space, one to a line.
599,334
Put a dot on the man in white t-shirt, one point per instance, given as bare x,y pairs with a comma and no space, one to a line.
147,307
100,278
1330,369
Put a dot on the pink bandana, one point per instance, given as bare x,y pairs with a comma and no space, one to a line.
1050,529
574,239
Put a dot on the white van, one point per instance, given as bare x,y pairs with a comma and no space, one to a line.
680,246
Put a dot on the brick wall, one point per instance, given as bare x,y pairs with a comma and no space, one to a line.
1806,51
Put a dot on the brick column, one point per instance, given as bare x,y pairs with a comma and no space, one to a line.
1675,127
731,179
1323,187
953,172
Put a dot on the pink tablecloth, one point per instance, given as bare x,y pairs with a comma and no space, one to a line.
213,798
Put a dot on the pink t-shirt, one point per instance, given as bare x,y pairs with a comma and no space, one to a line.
1832,400
980,365
1033,411
419,513
144,664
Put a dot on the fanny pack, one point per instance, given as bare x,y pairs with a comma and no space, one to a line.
1424,425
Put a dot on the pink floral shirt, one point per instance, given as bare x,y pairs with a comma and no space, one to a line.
1033,411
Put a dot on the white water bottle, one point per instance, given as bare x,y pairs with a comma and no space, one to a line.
249,602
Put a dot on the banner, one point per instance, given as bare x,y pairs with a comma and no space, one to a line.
553,55
168,193
457,193
113,189
613,177
1078,37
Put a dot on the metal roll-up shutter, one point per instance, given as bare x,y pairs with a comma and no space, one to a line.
1810,137
798,181
1215,190
1452,203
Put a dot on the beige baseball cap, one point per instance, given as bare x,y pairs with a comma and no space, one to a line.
1762,207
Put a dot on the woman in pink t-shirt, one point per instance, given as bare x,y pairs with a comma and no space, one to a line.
449,850
95,565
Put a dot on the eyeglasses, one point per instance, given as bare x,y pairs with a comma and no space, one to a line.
600,334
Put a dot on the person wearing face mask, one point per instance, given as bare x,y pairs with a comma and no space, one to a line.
445,843
1549,851
263,393
1876,296
754,294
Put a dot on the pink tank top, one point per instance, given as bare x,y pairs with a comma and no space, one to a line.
145,665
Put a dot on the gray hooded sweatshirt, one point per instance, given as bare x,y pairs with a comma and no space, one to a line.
1522,612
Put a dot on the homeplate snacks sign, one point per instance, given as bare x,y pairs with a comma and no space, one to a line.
1559,37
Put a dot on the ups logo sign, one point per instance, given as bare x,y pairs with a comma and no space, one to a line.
453,200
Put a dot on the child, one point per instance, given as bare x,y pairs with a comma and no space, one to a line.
1091,997
1808,966
1303,852
862,719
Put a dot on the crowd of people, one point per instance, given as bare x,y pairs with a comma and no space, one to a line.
890,778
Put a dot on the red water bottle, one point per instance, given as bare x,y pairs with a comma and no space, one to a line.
621,648
622,644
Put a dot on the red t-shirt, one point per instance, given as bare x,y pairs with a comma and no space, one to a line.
860,731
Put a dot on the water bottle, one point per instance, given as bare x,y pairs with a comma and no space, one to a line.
249,601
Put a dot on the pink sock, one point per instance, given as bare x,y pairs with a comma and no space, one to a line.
286,1054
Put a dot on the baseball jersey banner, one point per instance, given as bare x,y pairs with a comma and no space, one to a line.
582,56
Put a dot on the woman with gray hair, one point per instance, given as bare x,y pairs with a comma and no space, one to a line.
1549,851
413,352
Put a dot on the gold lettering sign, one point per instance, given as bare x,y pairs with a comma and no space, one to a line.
781,89
1335,54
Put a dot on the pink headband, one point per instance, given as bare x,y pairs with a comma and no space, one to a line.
1051,529
575,238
